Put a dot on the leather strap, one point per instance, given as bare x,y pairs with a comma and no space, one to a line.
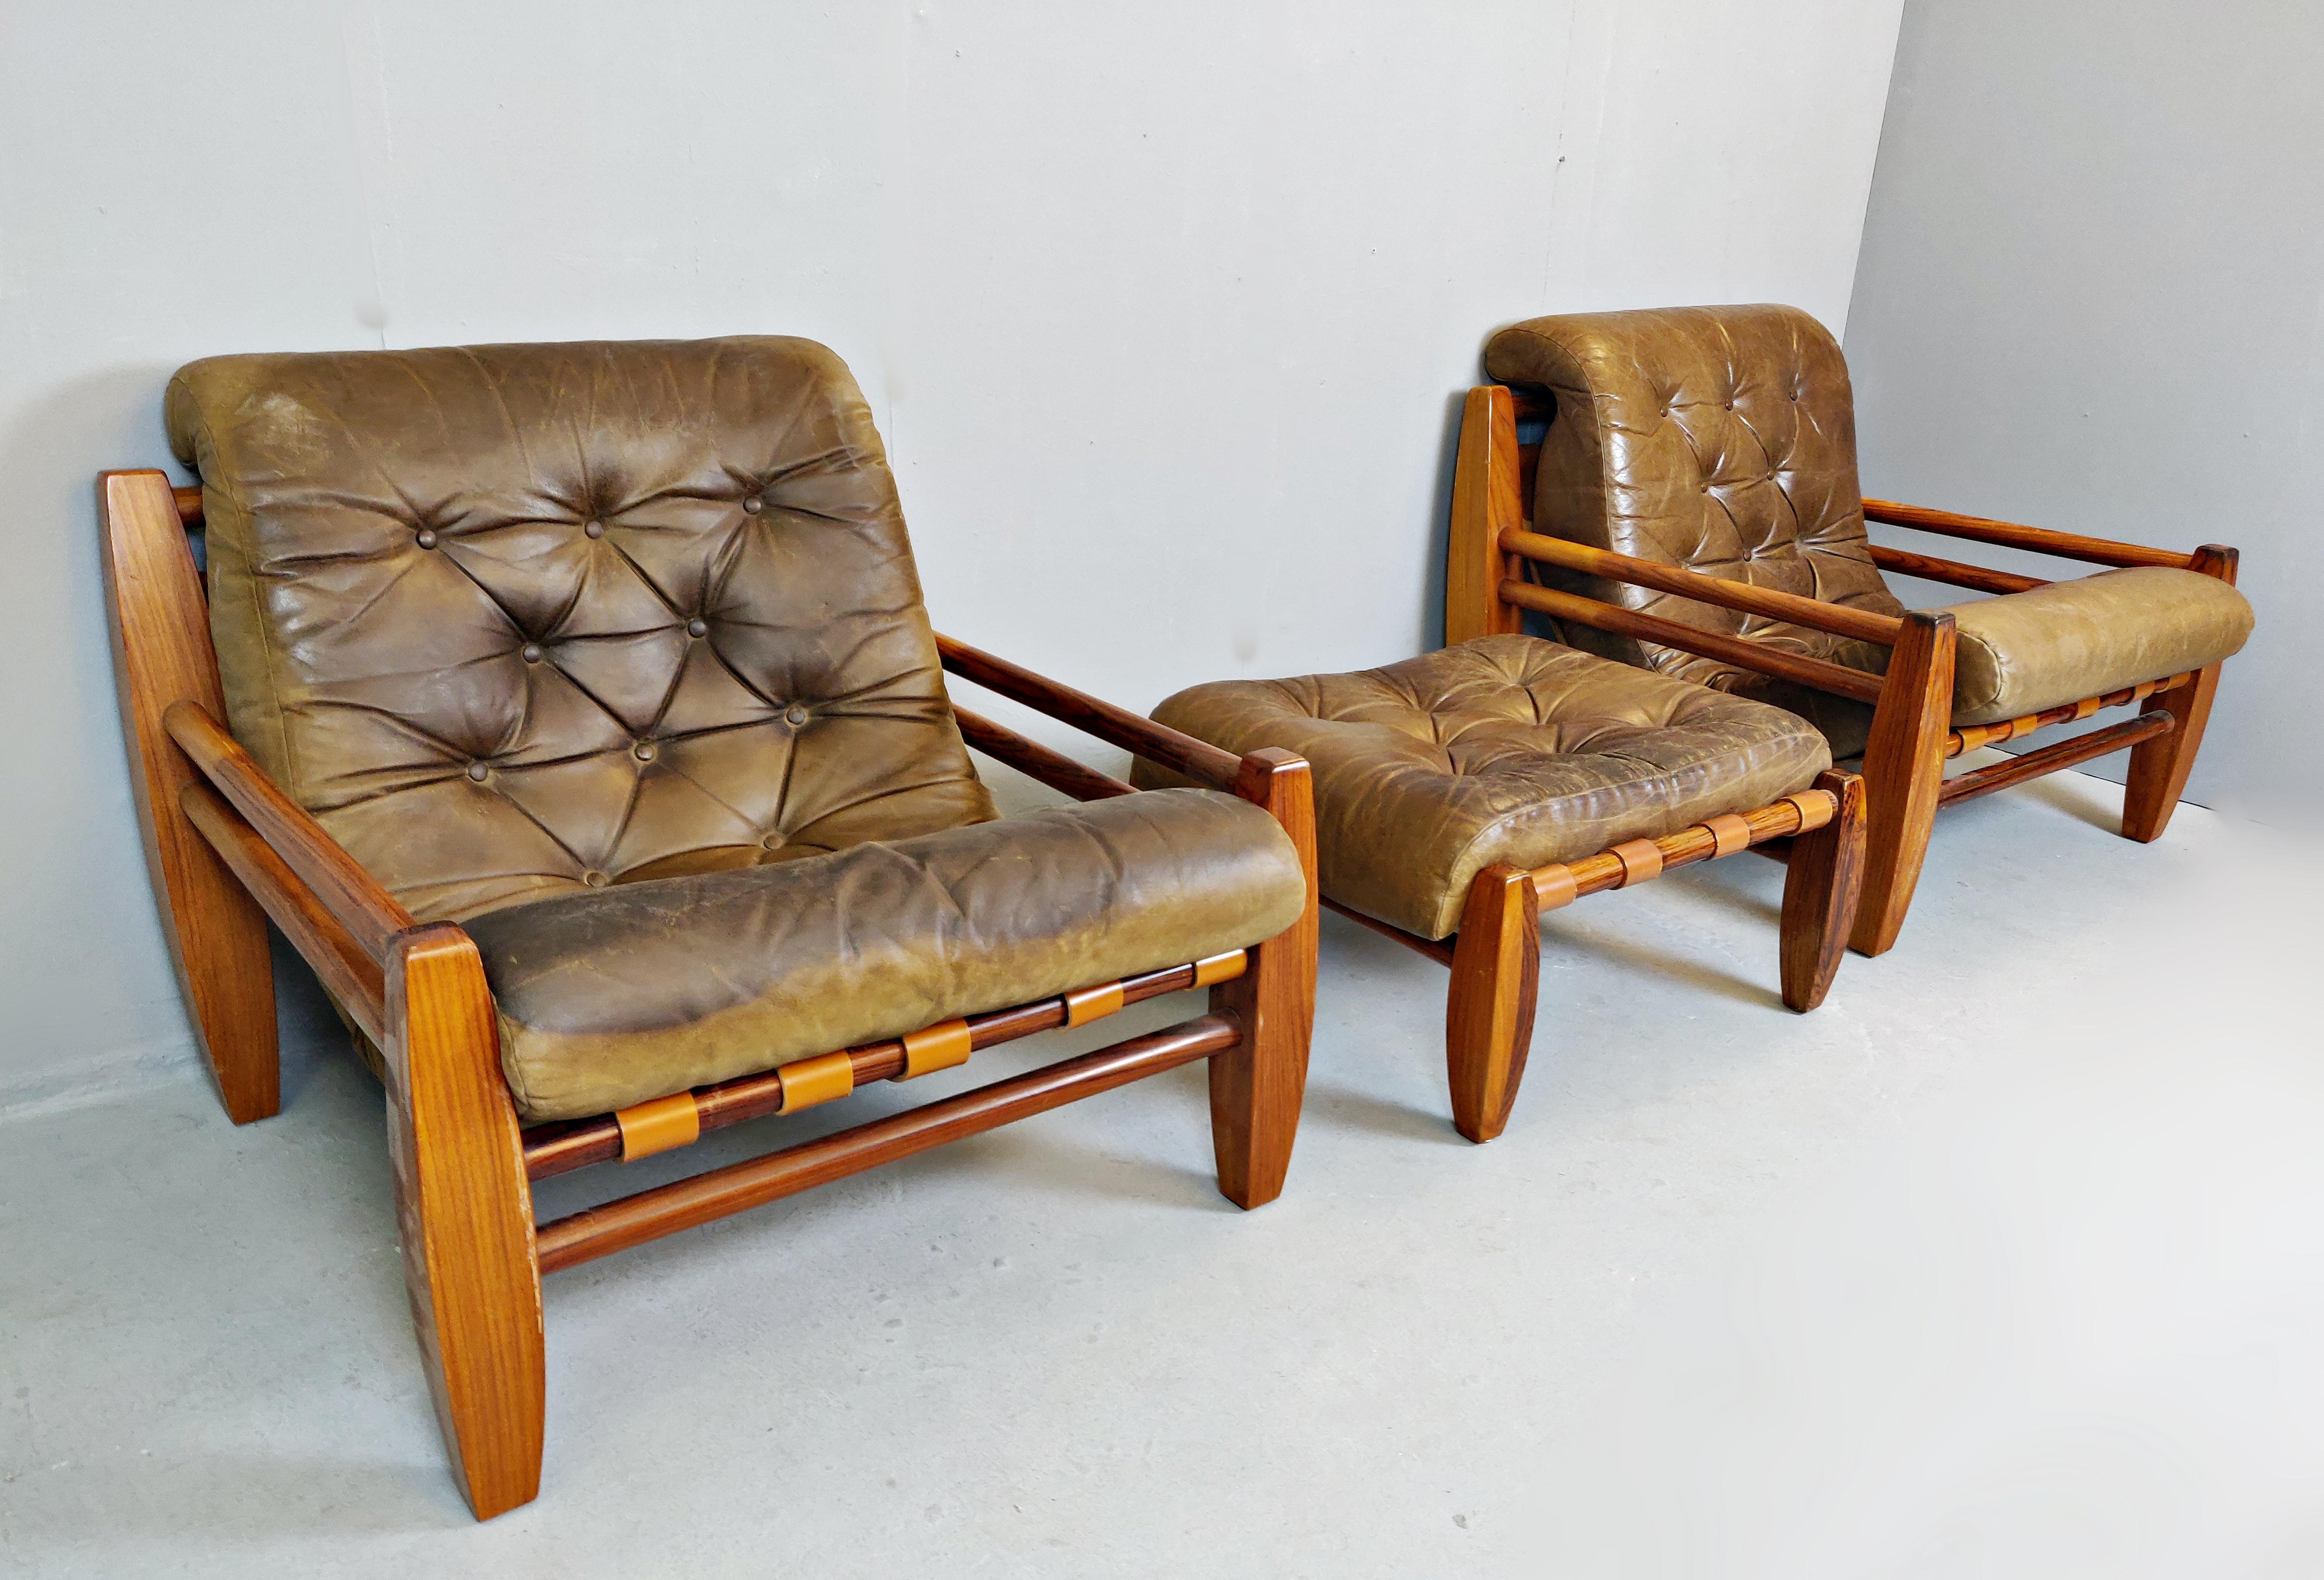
1816,808
658,1126
1729,834
807,1082
1084,1004
1641,860
934,1048
1224,967
1553,887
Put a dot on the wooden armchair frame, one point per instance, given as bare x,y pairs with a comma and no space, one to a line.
1912,736
227,849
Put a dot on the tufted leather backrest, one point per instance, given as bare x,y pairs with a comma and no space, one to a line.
514,621
1720,439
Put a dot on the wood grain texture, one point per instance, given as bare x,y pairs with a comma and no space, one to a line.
1903,767
160,628
2027,765
666,1210
1489,1010
1030,758
1256,1090
1594,874
1180,754
1838,619
1488,500
1952,572
1740,651
371,915
1820,890
2159,767
465,1214
2010,534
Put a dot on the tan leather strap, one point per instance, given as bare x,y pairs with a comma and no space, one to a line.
1553,887
1224,967
1729,834
2086,707
658,1126
2024,725
1641,860
1816,808
934,1048
810,1081
1084,1004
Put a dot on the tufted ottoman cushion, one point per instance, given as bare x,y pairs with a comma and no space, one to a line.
1504,749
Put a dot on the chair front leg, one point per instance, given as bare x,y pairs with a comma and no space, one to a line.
1489,1013
1820,890
464,1212
1903,768
2159,767
1258,1085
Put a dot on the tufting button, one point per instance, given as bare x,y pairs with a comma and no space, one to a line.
795,714
595,880
698,627
644,751
427,537
772,841
594,529
477,771
531,652
753,505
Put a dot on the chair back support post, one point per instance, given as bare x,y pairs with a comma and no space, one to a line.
1488,499
1903,771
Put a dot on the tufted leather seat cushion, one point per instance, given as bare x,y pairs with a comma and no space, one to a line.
608,1000
518,621
1504,749
2047,646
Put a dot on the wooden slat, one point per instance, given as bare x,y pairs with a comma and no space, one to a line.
649,1214
2012,535
1981,781
371,915
1052,768
1952,572
1732,650
1442,953
1158,743
1838,619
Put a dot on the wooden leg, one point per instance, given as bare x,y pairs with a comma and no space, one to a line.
1257,1087
1904,766
1488,1014
1820,892
2159,767
464,1212
161,653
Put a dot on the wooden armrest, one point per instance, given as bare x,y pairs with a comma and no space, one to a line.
2009,535
1838,619
352,896
1117,727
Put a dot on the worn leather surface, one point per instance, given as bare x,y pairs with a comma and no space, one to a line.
1719,439
1503,749
611,998
520,620
2022,653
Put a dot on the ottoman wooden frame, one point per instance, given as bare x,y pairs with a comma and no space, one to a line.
1911,737
227,849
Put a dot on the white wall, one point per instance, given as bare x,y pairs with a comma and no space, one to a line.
1165,308
2091,297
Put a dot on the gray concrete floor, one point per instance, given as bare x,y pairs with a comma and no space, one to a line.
2004,1262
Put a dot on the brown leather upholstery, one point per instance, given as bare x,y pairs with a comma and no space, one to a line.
610,999
515,621
2055,645
606,649
1504,749
1723,440
1719,439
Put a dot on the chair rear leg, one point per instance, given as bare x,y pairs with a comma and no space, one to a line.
465,1210
2159,767
1489,1013
1821,888
1258,1085
1903,767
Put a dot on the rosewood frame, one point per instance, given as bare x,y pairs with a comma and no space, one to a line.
1912,736
227,849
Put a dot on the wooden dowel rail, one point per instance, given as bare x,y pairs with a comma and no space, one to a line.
1610,869
1979,782
561,1146
2012,535
649,1214
353,897
1969,737
1118,726
1030,757
1838,619
187,498
1745,654
1952,572
1439,952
